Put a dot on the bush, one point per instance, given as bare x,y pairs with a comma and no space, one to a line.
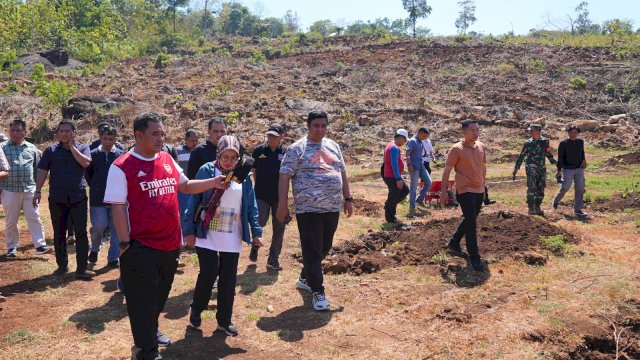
257,58
56,93
555,244
232,118
162,60
578,83
8,60
537,65
38,73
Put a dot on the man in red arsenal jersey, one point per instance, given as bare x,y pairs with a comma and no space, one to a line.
142,188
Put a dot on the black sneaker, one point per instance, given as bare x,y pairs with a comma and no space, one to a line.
163,340
93,257
230,330
43,250
114,264
85,275
61,271
477,265
12,253
455,250
253,254
273,265
194,319
489,202
71,240
302,284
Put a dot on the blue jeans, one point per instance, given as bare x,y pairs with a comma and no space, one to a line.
101,220
416,176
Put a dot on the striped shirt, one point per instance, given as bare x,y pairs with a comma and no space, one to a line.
23,160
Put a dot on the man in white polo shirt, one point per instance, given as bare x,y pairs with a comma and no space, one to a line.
142,188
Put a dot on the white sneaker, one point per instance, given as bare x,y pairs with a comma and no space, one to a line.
302,284
320,302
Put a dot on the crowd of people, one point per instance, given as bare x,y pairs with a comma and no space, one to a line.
152,200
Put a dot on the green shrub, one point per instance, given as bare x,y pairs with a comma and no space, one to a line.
610,89
537,65
162,60
56,93
232,118
38,73
441,258
257,58
578,83
555,243
8,60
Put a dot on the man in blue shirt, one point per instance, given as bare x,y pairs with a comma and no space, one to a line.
417,170
66,160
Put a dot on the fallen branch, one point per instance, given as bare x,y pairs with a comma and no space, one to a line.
589,277
384,332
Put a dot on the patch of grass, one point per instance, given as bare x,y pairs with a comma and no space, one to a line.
578,83
252,317
193,260
259,293
208,315
441,258
608,184
22,336
555,244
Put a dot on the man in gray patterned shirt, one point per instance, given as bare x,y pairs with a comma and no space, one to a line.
320,191
18,190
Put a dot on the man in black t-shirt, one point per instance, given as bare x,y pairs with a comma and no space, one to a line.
571,164
266,175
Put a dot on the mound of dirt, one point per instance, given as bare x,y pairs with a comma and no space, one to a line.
618,202
500,235
625,159
366,208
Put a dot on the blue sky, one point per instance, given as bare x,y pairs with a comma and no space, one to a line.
494,16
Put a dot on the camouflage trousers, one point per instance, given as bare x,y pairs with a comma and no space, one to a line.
536,182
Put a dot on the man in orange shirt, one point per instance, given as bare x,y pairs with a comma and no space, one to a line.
469,159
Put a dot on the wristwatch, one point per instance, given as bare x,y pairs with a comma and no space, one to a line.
349,199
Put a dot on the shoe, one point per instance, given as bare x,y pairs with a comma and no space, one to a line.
93,257
273,266
230,330
61,271
532,210
454,249
302,284
320,302
555,206
163,340
12,253
114,264
71,239
2,299
538,210
43,250
253,254
477,265
194,319
581,214
85,275
489,202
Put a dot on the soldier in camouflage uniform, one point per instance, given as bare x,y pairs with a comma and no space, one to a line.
535,149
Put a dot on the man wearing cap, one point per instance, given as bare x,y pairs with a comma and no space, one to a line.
94,145
266,172
571,165
393,166
417,171
534,150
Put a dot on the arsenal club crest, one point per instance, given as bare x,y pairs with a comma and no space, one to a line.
168,168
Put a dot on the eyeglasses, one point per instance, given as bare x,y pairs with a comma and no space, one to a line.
229,158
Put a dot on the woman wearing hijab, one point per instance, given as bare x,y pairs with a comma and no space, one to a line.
218,232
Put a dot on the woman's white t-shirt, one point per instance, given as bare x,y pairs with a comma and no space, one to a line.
225,230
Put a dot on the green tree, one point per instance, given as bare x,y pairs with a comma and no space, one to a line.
324,27
274,27
291,21
619,27
172,6
466,16
417,9
583,23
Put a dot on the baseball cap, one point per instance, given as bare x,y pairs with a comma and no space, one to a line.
403,132
535,127
3,137
275,130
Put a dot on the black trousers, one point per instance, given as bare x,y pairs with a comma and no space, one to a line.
61,214
394,197
147,275
470,203
316,239
427,166
221,265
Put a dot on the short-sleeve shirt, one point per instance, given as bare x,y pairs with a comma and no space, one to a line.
470,164
149,188
66,175
4,164
267,165
414,147
427,150
23,160
316,170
